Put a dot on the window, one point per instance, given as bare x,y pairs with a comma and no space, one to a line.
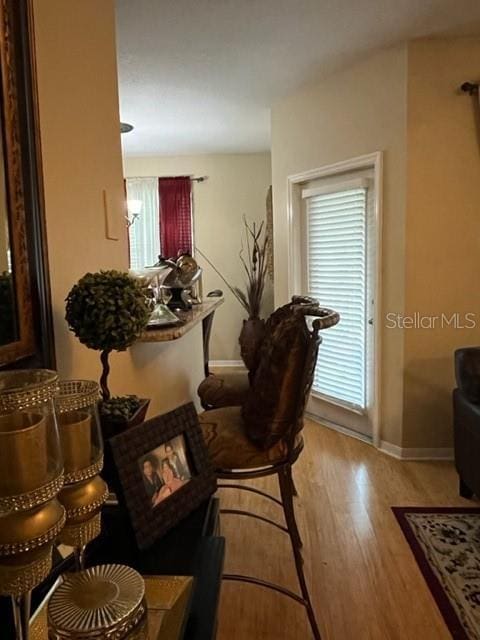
144,233
164,222
337,267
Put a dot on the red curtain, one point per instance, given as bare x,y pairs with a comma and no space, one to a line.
175,216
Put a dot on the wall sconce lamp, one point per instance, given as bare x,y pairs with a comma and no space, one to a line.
134,208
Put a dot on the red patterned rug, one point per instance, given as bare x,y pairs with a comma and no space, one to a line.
446,546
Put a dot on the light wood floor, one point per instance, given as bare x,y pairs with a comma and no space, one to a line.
364,582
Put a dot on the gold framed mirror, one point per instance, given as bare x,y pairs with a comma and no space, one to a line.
16,330
26,336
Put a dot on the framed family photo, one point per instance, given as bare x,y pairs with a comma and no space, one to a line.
164,471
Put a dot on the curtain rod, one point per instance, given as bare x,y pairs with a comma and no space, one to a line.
197,179
470,87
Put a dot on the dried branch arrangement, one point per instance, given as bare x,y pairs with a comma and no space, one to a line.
253,256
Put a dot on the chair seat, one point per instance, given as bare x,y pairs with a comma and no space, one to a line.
228,390
229,448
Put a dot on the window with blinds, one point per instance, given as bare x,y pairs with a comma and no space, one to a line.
336,270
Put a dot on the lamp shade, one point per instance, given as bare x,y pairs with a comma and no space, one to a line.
134,206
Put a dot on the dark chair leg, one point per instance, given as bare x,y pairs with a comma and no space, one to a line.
286,484
464,490
292,491
294,488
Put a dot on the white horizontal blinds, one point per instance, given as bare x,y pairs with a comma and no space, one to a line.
144,233
337,274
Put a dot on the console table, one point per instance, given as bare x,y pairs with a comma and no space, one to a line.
168,364
189,319
193,548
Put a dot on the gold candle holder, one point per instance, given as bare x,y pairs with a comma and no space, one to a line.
31,474
75,438
84,492
23,454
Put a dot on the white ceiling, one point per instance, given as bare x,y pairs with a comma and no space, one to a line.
199,76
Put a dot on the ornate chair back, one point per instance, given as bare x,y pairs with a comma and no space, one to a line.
274,408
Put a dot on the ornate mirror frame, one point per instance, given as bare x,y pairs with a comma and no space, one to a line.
19,117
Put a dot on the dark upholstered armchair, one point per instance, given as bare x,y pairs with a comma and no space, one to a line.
263,436
466,420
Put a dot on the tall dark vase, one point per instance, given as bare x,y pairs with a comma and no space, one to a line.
250,339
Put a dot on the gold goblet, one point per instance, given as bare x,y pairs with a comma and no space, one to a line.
31,474
84,492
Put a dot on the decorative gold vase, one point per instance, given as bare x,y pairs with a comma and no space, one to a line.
84,492
31,474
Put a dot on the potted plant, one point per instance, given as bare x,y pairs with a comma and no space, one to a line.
255,264
108,311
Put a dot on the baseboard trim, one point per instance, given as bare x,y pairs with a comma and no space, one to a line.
336,427
416,453
393,450
226,363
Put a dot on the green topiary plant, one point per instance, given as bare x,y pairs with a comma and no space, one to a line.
108,311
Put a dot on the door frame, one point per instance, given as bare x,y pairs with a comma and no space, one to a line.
295,249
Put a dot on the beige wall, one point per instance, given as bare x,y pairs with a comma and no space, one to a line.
442,229
79,121
356,112
237,185
404,102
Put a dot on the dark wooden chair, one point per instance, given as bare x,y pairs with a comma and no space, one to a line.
263,436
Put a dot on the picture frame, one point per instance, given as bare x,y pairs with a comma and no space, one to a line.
164,472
